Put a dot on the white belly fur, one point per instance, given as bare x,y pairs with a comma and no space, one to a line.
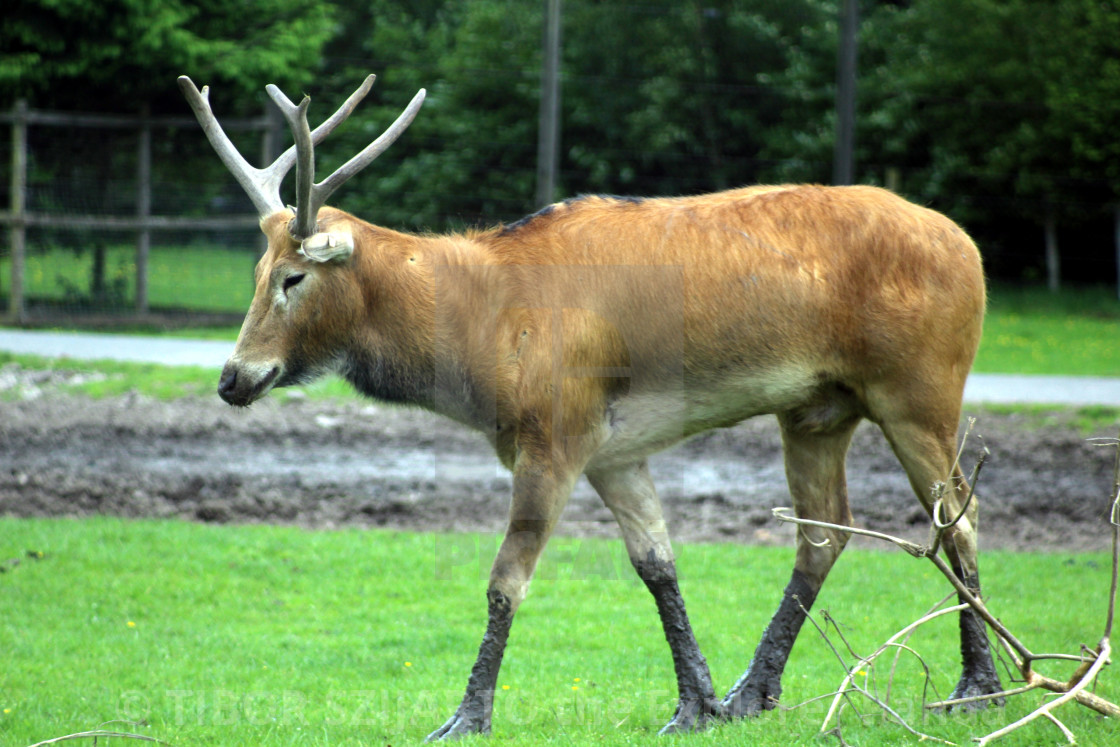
641,424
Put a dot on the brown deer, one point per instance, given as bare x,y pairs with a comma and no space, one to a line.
589,335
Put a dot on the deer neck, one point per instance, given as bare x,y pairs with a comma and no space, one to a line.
440,355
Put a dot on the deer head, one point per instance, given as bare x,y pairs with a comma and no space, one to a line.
282,321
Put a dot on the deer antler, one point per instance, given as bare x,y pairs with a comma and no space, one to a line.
310,196
263,185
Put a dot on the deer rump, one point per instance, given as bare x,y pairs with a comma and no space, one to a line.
599,330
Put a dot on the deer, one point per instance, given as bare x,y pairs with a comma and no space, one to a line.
586,337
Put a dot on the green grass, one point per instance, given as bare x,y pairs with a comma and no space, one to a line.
106,378
224,635
1032,331
112,378
206,278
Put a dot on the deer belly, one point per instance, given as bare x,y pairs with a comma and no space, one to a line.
642,423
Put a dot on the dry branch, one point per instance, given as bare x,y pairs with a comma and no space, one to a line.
890,643
1089,665
100,734
1071,693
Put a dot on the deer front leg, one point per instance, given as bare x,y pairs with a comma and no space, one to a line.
629,493
539,495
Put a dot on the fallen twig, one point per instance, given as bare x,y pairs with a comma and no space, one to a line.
101,734
1090,662
1072,693
867,660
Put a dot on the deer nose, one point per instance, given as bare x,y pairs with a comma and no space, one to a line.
227,384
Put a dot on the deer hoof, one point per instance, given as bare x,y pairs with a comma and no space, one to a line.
460,725
751,700
974,687
693,715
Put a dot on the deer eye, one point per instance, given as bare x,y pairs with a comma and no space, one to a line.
292,280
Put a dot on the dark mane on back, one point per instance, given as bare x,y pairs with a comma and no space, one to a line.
570,203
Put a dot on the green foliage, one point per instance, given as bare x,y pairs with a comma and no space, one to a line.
992,111
468,158
223,635
114,55
997,112
1082,84
656,99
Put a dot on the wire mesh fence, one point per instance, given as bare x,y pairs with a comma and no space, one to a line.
132,220
117,219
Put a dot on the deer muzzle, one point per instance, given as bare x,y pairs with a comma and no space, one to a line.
242,384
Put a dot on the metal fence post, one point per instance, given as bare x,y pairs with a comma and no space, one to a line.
143,209
548,137
1116,234
17,230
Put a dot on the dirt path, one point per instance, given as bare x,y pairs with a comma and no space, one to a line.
331,464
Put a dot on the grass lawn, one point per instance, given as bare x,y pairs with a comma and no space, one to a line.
106,378
1032,331
207,278
260,635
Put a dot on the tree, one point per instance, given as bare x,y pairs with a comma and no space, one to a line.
113,55
658,98
469,157
667,98
973,102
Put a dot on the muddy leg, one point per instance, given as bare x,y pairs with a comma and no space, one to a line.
538,498
927,454
978,670
473,714
629,493
815,471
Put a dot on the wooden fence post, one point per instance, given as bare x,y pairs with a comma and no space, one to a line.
17,230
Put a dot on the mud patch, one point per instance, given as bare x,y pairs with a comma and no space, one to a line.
330,464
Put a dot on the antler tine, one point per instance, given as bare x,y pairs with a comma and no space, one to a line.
311,196
324,189
257,183
303,152
305,158
262,185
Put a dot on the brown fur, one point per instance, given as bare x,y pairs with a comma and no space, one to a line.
600,330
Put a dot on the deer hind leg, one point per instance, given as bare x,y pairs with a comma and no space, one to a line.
629,493
926,444
815,452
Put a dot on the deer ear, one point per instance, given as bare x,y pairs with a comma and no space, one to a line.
336,246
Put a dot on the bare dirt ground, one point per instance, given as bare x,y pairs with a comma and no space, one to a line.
330,464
